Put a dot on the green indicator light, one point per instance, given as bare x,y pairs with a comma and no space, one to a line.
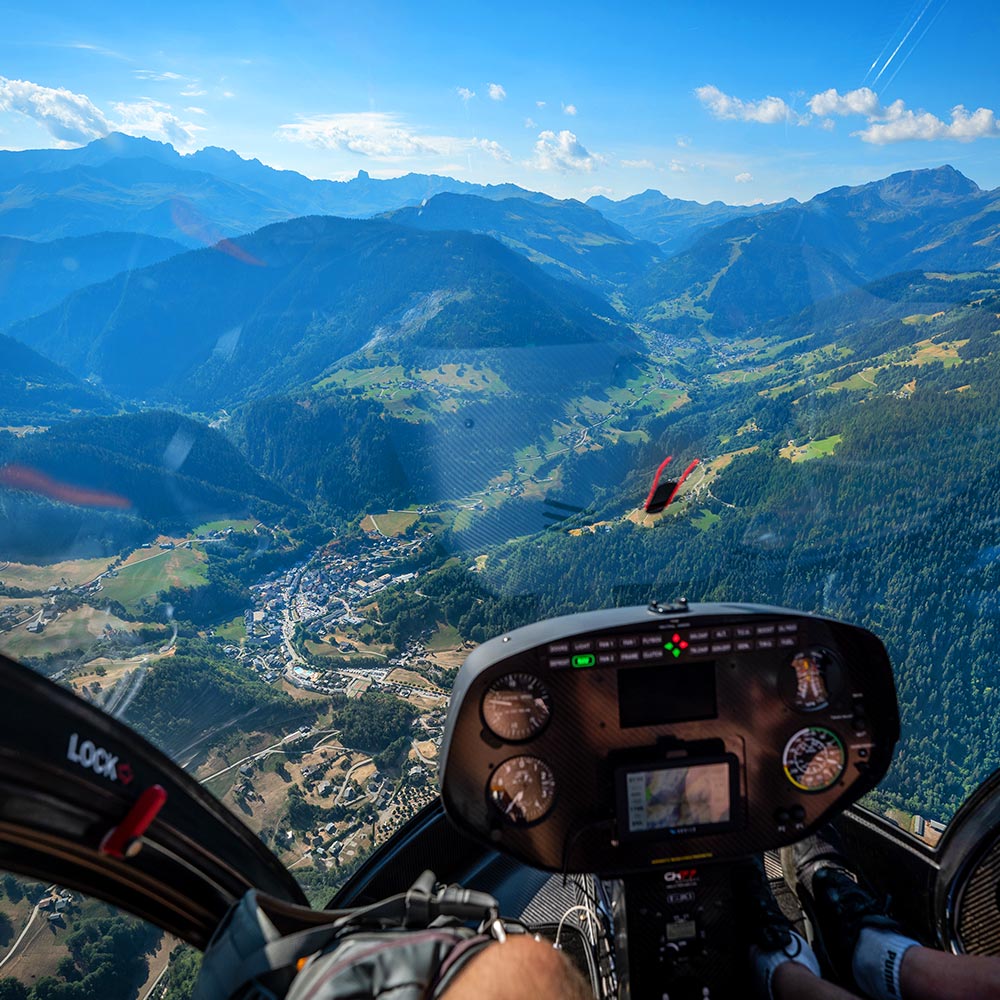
677,653
669,645
584,660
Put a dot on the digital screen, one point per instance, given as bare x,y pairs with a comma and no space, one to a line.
653,696
667,798
681,930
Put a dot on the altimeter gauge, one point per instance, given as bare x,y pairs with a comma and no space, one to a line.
516,707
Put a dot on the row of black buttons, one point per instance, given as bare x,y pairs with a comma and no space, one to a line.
787,631
606,643
626,656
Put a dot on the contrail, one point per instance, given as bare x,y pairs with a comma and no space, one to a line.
898,47
902,63
888,44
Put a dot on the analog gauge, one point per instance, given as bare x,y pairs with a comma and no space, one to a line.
523,789
810,680
814,759
516,707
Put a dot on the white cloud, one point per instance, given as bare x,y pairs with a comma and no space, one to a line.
530,123
539,104
193,91
597,189
677,167
493,148
148,74
683,141
497,93
563,152
744,178
895,123
196,111
382,136
98,49
465,93
74,119
157,121
863,101
901,125
69,118
767,111
638,164
228,94
569,109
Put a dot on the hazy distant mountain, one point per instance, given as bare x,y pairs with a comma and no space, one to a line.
92,485
34,390
566,238
36,276
752,270
125,184
673,223
276,309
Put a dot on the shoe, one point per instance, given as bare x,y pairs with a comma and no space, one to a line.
768,933
837,907
757,911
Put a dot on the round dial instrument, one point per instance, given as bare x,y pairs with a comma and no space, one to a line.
516,707
814,759
523,789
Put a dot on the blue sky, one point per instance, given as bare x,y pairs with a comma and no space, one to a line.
709,100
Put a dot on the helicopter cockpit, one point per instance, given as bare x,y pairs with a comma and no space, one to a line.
610,764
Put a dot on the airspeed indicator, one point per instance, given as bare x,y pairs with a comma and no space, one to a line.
516,707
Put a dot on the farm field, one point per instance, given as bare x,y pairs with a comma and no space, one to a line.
160,571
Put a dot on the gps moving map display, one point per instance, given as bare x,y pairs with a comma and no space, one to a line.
690,797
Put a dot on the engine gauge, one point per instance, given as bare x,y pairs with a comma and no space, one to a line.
516,707
523,789
814,759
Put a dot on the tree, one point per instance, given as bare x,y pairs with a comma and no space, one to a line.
12,989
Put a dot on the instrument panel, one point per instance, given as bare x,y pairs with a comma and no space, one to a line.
620,741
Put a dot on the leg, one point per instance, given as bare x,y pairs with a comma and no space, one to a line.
795,982
520,967
927,974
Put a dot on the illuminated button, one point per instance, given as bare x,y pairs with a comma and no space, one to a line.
583,645
558,647
744,645
605,643
765,630
655,654
720,633
700,650
558,662
788,628
722,647
584,660
787,641
605,658
628,641
698,635
765,644
631,656
742,631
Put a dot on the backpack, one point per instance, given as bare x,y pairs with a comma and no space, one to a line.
406,947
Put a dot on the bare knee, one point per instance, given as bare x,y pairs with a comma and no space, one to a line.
519,967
